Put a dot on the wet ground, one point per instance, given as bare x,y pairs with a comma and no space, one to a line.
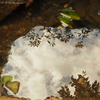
24,18
20,22
44,59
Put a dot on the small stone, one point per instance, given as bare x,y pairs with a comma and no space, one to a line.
22,23
5,27
56,4
33,19
99,12
66,5
1,28
44,4
45,21
0,51
59,27
27,16
30,9
70,8
29,13
21,30
39,18
11,26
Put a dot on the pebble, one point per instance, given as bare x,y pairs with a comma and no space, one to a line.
39,18
5,27
29,13
99,12
22,23
21,30
0,51
59,27
33,19
27,16
66,5
11,26
70,8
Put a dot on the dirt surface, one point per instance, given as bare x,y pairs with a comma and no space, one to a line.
3,91
89,12
12,98
23,19
6,9
20,21
55,98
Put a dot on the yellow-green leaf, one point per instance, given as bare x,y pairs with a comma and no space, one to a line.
13,86
67,22
6,79
70,13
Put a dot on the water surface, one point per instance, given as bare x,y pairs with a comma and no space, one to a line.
43,68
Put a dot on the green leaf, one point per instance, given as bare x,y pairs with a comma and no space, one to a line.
13,86
66,21
70,13
6,79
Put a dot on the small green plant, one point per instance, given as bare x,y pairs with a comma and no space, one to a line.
12,85
67,17
66,21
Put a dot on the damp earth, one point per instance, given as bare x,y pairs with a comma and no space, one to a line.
41,54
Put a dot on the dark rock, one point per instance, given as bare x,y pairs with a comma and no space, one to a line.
12,1
6,9
89,11
22,20
3,91
7,6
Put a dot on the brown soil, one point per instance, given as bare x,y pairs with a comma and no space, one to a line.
12,98
20,22
54,98
23,19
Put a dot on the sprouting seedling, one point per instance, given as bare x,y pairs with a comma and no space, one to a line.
70,13
66,21
12,85
67,16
